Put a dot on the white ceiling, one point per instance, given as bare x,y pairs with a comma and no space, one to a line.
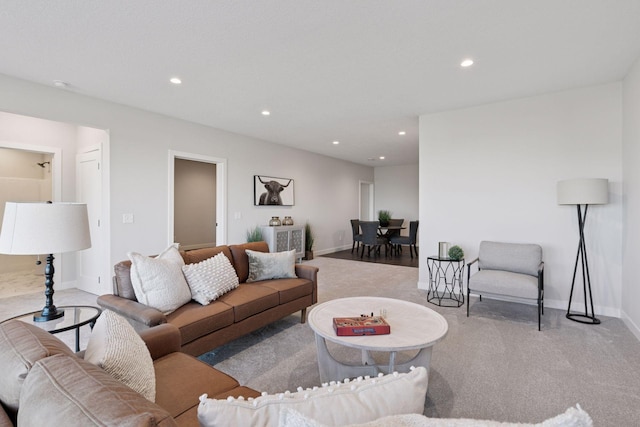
356,71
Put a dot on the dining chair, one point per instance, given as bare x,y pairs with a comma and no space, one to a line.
356,235
409,240
371,238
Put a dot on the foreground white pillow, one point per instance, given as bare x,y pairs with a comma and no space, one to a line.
158,282
211,278
333,404
572,417
267,266
118,349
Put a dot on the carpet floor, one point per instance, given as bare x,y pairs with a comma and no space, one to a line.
493,365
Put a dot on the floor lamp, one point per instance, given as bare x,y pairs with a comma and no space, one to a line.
579,192
44,228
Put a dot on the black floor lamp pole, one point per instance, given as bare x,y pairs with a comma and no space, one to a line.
581,257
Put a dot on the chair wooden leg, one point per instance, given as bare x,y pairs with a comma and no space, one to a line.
303,315
411,251
353,246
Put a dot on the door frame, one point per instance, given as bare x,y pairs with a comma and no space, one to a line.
221,192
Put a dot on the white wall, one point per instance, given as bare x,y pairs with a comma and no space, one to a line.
396,190
490,173
631,200
326,188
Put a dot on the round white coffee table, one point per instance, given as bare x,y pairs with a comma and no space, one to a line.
413,327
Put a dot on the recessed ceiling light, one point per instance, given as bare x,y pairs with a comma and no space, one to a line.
266,113
466,63
336,142
60,84
175,80
402,132
381,157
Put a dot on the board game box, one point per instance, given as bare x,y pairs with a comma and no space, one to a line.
362,325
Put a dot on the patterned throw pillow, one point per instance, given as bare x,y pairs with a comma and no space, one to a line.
211,278
158,282
118,349
266,266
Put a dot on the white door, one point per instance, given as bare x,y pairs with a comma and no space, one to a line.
89,191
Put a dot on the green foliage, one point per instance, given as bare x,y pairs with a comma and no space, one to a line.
254,234
308,237
456,253
384,216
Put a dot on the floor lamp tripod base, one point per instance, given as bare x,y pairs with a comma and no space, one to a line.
583,318
581,257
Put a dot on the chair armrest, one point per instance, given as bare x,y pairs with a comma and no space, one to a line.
469,270
162,340
541,276
309,272
541,268
134,310
475,260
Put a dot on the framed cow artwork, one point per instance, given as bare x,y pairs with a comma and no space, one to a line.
270,191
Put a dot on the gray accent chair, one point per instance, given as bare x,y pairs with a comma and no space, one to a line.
513,270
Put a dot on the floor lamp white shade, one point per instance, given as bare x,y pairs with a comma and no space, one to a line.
45,228
583,191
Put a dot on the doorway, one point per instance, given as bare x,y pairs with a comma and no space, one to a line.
27,174
197,200
366,201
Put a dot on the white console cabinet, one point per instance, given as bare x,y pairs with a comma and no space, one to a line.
285,238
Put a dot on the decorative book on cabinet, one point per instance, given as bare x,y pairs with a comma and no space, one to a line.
285,238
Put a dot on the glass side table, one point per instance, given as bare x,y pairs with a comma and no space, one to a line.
74,317
445,281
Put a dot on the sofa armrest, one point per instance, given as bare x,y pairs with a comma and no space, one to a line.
309,272
133,310
162,340
5,421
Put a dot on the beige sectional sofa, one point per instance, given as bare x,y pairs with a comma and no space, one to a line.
236,313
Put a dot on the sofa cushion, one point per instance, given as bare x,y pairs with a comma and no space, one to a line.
241,259
181,379
267,266
210,278
522,258
290,289
505,283
195,320
334,404
67,388
21,346
158,282
249,299
116,347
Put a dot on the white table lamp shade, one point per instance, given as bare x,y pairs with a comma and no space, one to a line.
44,228
583,191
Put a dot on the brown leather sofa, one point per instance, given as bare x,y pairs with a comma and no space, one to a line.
42,382
236,313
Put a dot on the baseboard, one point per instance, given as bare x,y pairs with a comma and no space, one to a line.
635,330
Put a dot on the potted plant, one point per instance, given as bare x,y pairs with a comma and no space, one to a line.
384,216
254,234
308,242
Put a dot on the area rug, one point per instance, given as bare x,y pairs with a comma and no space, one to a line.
493,365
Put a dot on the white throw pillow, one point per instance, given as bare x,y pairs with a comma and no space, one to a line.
211,278
572,417
158,282
118,349
266,265
334,404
